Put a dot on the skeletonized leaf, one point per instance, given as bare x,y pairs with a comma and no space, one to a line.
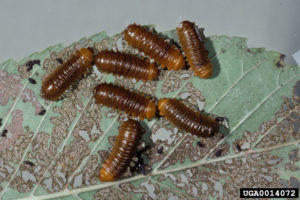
252,88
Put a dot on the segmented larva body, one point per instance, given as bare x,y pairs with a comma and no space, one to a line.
194,48
57,82
187,119
128,65
130,133
164,53
124,100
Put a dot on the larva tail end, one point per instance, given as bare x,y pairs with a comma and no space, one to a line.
48,97
104,176
150,110
153,72
49,92
88,53
205,71
185,23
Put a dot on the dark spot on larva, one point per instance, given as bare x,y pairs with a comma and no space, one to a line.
0,122
218,153
42,112
249,50
200,144
31,80
238,147
29,68
29,163
223,50
3,134
33,62
59,60
220,119
160,150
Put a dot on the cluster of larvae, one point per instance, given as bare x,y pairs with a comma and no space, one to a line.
165,54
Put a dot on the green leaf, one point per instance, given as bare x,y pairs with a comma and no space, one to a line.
252,88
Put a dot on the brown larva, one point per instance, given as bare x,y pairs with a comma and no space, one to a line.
187,119
124,100
130,133
194,48
164,53
65,75
128,65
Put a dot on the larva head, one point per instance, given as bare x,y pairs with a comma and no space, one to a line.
150,110
104,176
161,105
87,53
177,62
205,71
153,72
129,31
100,92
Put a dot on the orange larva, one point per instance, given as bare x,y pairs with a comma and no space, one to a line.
187,119
194,49
57,82
130,133
164,53
128,65
124,100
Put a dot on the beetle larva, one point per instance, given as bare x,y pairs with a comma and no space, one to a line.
128,65
130,133
187,119
164,53
124,100
194,48
65,75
